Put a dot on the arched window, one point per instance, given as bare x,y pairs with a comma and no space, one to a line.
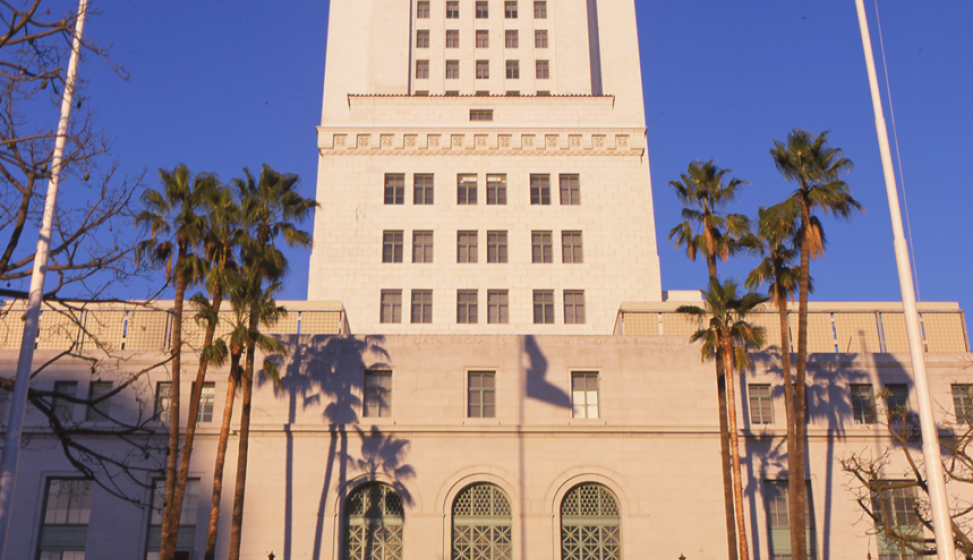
481,524
591,528
373,524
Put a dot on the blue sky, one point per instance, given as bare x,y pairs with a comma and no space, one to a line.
222,84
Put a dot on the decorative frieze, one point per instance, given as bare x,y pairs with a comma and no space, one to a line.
523,143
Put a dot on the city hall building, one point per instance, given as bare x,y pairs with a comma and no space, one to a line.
487,366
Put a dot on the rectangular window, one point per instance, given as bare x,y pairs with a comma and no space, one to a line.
510,9
392,247
573,307
540,9
378,394
895,504
62,408
452,69
394,188
163,397
540,39
422,188
778,517
5,400
99,407
481,115
422,9
186,536
496,246
543,70
391,306
422,306
571,248
511,39
482,39
482,395
541,247
452,10
543,307
482,73
207,401
452,38
466,306
513,71
496,189
862,404
584,394
422,246
422,70
897,400
497,311
64,529
570,189
963,403
482,10
466,189
761,405
422,39
466,245
540,189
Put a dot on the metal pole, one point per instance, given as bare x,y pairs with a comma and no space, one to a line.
15,423
941,521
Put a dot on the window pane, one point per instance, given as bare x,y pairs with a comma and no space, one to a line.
97,411
373,524
540,9
421,306
898,398
466,189
422,73
62,408
570,190
452,69
466,247
391,306
542,247
511,39
571,247
452,10
543,307
207,400
394,188
540,189
496,246
963,403
482,10
482,395
422,247
496,189
590,523
482,39
543,70
573,307
377,394
422,39
163,394
862,404
510,9
392,247
513,70
452,39
540,39
466,306
422,9
761,405
422,191
776,498
497,306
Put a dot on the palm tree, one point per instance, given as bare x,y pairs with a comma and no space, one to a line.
728,333
816,168
176,225
708,231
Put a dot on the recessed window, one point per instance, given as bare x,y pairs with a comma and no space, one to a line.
466,306
99,407
421,306
481,114
496,189
64,527
422,9
573,307
543,70
452,10
778,517
452,39
466,189
570,189
392,247
541,247
482,39
510,9
863,404
394,188
543,93
897,400
896,505
496,246
963,403
422,39
422,246
513,93
511,39
422,93
422,71
590,524
540,189
540,39
482,73
482,10
377,394
543,307
207,402
452,93
62,408
466,246
584,394
373,522
540,9
482,395
5,397
482,93
571,248
513,71
452,69
422,188
497,307
391,306
761,405
163,397
186,533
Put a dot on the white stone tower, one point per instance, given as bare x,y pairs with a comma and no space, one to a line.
483,167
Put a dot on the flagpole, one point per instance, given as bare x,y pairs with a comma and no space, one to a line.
15,424
935,479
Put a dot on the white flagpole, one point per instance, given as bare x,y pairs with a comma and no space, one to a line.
935,479
18,404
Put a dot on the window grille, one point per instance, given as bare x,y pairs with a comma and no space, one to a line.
482,524
373,524
591,526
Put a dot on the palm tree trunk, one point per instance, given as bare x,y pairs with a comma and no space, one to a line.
735,449
789,418
214,510
728,501
240,490
191,423
797,476
168,542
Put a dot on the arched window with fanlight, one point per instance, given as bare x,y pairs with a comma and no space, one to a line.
591,527
482,524
373,523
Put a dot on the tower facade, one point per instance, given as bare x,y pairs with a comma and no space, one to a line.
483,168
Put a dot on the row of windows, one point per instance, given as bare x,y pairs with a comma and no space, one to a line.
511,9
467,188
542,69
467,247
511,39
467,307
